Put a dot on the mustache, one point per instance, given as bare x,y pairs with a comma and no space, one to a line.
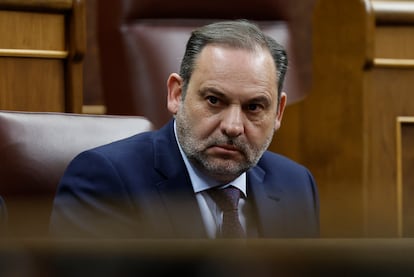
236,143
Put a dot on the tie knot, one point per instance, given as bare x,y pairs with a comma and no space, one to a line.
227,199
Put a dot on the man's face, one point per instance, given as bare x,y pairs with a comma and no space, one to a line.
229,114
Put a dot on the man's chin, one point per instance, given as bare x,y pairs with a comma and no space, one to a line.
224,168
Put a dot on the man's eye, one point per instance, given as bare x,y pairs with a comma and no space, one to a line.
253,107
212,99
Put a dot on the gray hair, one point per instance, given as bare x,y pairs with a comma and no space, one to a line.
238,34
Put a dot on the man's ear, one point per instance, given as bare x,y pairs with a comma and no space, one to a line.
280,110
174,85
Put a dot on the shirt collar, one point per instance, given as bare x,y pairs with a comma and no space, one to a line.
201,182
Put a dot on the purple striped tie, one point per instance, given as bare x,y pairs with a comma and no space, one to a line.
228,200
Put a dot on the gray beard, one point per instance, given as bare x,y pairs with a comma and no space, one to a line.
226,169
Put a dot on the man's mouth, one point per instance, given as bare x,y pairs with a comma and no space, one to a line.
226,149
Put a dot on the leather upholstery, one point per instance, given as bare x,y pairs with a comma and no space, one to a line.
141,42
36,147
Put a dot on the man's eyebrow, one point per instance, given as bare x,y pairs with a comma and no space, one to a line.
262,98
206,90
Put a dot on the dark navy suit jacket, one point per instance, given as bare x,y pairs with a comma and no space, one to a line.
139,188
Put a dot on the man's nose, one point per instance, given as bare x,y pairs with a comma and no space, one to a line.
232,121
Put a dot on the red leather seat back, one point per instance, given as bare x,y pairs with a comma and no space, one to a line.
142,42
36,147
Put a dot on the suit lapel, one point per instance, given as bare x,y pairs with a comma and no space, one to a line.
182,208
266,202
175,190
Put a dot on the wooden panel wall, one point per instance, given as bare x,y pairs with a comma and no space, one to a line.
93,101
344,131
405,175
41,51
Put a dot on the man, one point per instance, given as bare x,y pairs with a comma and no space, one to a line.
227,103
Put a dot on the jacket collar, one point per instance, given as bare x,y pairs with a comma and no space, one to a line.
179,199
175,189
